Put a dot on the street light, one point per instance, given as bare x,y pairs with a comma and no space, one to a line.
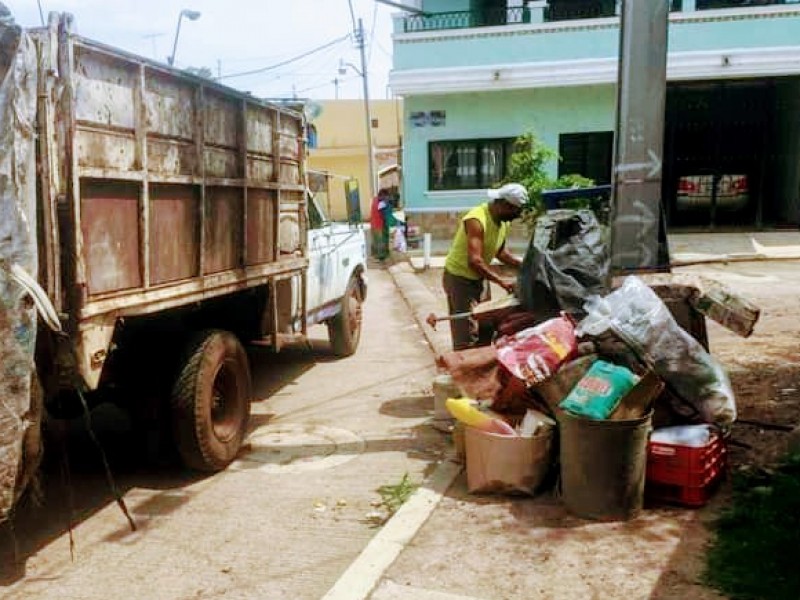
192,15
363,73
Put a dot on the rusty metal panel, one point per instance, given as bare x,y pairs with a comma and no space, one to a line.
260,169
222,124
110,227
290,142
170,106
171,127
222,120
169,158
259,130
106,150
222,163
290,172
174,233
260,225
104,89
223,228
290,230
259,135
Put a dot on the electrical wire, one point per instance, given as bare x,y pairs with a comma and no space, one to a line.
352,13
322,65
285,62
372,31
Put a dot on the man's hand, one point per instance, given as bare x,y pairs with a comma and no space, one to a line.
508,285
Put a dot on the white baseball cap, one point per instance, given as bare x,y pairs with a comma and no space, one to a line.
513,193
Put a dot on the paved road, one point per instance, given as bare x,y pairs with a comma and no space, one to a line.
285,521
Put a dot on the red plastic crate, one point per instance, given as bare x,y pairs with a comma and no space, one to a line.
691,496
683,475
681,465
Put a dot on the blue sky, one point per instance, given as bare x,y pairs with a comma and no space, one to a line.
235,36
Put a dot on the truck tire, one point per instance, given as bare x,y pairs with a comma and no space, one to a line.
211,401
344,330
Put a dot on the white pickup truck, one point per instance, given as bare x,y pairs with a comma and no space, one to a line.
336,279
152,223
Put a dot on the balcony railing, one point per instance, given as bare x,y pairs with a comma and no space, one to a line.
561,10
465,19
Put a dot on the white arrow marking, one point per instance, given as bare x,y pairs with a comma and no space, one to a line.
654,165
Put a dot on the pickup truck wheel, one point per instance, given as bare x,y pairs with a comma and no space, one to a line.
344,330
211,401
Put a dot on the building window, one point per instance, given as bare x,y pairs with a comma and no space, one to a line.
468,164
587,154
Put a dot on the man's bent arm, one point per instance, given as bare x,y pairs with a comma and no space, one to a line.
475,253
505,257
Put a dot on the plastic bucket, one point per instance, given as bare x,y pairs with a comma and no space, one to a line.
603,465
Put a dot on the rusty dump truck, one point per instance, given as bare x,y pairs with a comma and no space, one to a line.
151,223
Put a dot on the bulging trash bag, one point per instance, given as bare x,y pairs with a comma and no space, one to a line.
638,316
566,262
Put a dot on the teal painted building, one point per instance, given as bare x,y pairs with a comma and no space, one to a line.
475,74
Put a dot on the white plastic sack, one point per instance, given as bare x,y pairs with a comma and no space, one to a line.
399,242
638,316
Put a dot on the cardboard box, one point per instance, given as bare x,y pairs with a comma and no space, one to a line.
636,403
505,464
712,299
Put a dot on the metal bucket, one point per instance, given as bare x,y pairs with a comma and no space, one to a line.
603,465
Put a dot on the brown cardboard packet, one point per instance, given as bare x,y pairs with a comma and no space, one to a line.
507,464
636,403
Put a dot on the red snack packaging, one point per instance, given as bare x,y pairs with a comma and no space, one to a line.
536,353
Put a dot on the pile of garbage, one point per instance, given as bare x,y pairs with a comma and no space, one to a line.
579,376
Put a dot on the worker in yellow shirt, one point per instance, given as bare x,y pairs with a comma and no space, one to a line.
481,237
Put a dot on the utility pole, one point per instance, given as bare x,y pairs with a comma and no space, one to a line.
373,184
638,233
335,83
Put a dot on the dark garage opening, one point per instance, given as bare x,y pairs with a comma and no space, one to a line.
732,154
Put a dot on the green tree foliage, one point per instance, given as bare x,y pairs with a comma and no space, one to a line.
203,72
528,166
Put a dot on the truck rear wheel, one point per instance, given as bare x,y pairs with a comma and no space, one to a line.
344,330
211,401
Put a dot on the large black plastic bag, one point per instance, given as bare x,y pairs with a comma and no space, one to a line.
641,319
566,262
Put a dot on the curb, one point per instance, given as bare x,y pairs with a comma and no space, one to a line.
422,302
363,575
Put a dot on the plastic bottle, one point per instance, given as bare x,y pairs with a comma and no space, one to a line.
463,410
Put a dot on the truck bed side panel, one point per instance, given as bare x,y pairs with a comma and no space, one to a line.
176,190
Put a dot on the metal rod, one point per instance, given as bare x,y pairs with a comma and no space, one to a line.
368,115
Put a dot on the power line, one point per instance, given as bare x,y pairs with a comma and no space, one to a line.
322,66
352,14
288,61
372,31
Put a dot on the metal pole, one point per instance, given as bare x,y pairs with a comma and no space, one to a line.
636,215
371,156
426,251
175,42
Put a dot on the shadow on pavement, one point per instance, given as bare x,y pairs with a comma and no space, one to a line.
72,485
